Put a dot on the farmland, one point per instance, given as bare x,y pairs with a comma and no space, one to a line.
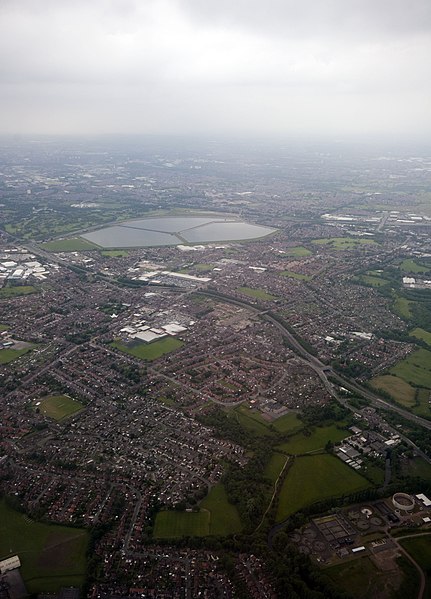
416,368
312,478
149,351
400,390
52,556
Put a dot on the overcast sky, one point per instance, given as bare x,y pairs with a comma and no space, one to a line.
285,67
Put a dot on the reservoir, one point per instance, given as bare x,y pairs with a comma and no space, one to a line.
172,230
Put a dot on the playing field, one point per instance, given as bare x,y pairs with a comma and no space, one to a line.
298,252
75,244
416,368
256,293
312,478
295,275
51,556
149,351
8,355
58,406
8,292
172,524
343,243
114,253
301,443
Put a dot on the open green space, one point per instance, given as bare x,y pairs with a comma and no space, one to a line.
256,293
420,550
295,275
288,423
75,244
401,307
52,556
224,517
421,334
275,466
415,369
58,406
316,477
3,327
344,243
8,355
410,265
361,579
419,467
114,253
298,252
400,390
7,292
317,439
149,351
250,420
173,525
372,280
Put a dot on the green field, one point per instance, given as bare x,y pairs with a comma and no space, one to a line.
361,579
7,292
58,406
75,244
8,355
295,275
51,556
250,420
312,478
275,466
224,517
401,391
416,368
419,467
256,293
173,525
288,423
298,252
343,243
421,334
401,307
114,253
413,267
149,351
420,550
301,443
3,327
372,280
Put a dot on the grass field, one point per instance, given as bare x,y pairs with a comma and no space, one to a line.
420,550
3,327
400,390
298,252
343,243
251,421
301,443
58,406
8,292
361,579
421,334
413,267
416,368
51,556
8,355
312,478
224,517
256,293
372,280
275,466
295,275
114,253
401,307
149,351
172,525
288,423
75,244
419,467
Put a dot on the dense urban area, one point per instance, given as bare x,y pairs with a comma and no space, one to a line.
215,366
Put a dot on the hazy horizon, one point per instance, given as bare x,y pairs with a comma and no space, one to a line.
320,68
